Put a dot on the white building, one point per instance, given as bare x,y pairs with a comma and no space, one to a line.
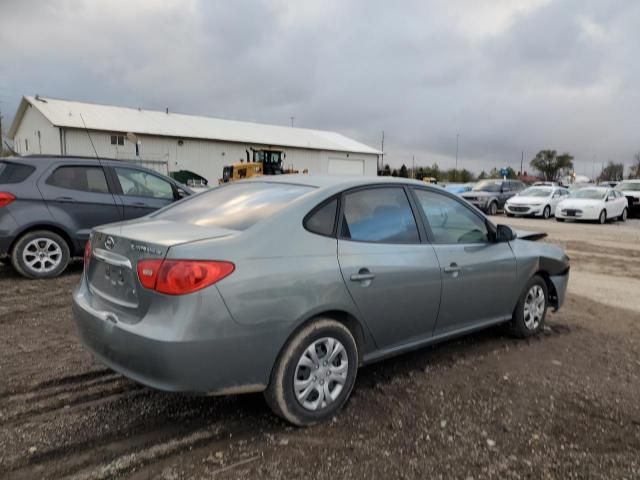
169,141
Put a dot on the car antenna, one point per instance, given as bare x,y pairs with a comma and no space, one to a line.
90,140
99,162
13,152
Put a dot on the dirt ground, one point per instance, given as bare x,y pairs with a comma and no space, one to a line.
562,405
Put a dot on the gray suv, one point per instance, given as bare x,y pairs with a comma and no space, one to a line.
48,206
491,195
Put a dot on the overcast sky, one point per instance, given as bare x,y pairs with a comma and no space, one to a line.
507,75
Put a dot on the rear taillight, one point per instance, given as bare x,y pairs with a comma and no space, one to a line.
6,198
179,277
87,254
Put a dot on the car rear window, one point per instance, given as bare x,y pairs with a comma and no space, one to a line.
14,172
235,206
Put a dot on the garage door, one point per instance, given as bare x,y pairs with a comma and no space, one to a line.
339,166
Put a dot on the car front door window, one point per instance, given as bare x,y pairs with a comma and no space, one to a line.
451,221
138,183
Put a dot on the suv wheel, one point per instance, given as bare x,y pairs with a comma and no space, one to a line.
40,254
314,374
493,208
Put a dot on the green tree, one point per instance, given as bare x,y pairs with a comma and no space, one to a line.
634,171
482,175
612,172
403,171
394,172
386,171
494,173
551,165
466,176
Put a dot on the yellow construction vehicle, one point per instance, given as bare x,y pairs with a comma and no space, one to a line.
263,162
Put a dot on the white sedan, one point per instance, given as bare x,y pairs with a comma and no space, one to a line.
593,203
539,201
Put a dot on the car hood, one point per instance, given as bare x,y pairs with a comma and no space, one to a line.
580,203
477,194
520,200
630,193
163,232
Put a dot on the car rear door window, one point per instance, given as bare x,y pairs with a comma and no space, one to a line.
381,215
322,220
81,178
140,183
450,221
14,172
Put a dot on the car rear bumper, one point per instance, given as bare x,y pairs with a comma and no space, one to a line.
8,229
236,360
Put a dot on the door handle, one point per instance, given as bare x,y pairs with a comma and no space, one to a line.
362,276
65,199
453,268
139,204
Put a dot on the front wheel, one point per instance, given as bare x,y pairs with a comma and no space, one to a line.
529,315
40,254
314,374
546,213
623,215
602,219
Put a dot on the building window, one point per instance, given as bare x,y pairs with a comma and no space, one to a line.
117,139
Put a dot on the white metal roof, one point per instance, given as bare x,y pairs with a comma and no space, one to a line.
65,113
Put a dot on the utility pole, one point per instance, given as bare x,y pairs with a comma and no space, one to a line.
413,166
522,164
382,156
292,119
455,172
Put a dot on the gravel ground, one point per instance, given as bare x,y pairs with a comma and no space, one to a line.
561,405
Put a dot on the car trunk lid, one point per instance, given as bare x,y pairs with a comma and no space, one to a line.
117,248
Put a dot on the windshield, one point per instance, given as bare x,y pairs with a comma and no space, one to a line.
629,186
536,192
590,193
236,206
488,186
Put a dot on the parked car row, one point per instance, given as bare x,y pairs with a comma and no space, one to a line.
48,206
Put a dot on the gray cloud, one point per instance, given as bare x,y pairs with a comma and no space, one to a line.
508,76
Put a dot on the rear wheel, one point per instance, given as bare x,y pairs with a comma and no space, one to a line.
602,219
529,315
314,374
623,215
40,254
493,208
546,213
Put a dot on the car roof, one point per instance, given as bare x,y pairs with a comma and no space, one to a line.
40,159
344,181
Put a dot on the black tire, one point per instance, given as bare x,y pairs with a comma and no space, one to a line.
623,215
602,219
546,213
492,209
280,394
61,260
520,326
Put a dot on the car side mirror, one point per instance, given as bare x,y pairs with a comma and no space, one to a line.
504,233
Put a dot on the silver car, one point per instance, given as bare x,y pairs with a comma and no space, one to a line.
288,284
